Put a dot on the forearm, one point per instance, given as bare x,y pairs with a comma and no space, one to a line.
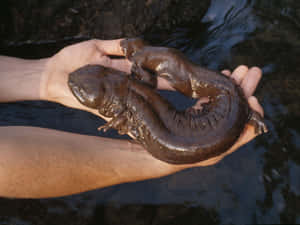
48,163
20,79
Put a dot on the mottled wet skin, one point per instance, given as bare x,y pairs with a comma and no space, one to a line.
172,136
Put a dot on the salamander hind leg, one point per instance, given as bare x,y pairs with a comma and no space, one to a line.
257,121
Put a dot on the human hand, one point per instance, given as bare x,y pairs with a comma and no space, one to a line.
54,79
150,167
55,86
248,79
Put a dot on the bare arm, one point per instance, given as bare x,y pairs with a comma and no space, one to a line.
20,79
40,163
37,162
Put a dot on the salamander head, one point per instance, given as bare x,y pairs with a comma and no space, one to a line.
87,85
100,88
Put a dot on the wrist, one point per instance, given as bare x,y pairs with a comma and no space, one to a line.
38,72
45,79
30,75
53,83
20,78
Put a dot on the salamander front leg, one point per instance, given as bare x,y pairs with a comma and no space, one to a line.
119,122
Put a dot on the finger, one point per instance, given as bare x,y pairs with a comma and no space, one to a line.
121,64
251,81
100,59
226,72
254,104
117,64
109,47
239,73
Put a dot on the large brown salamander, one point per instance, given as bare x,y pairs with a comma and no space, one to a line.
172,136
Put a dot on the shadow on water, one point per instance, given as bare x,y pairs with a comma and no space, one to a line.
257,184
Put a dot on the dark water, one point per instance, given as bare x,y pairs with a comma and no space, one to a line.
258,184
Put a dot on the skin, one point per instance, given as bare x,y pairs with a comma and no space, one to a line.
48,163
